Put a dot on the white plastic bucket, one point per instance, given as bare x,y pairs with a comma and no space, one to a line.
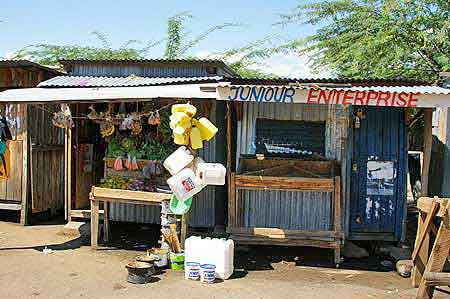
192,271
207,273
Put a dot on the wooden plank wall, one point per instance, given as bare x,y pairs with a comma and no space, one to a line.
47,160
11,188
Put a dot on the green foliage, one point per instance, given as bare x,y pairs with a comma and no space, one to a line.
177,44
49,54
377,38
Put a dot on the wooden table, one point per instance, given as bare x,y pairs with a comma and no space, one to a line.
107,196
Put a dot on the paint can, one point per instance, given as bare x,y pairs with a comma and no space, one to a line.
192,271
207,273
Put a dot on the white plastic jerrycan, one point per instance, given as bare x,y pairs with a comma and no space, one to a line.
211,173
185,184
178,160
218,252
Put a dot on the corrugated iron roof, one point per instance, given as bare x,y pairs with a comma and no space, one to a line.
398,89
350,81
88,81
143,60
27,63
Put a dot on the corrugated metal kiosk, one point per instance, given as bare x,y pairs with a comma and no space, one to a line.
310,162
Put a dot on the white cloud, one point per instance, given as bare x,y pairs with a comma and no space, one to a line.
283,65
291,65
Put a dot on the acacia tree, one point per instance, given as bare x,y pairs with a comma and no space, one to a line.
376,38
177,45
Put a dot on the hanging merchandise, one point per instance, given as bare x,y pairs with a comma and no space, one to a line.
179,207
178,160
136,127
207,129
188,130
126,123
107,128
118,166
185,184
211,173
154,119
63,119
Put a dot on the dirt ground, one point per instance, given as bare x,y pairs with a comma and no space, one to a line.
73,270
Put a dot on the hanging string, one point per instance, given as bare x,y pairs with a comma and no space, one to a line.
146,114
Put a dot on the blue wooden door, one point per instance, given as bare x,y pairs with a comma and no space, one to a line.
378,171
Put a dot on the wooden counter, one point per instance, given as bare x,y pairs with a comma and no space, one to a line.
107,196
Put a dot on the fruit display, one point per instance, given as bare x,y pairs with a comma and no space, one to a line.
117,182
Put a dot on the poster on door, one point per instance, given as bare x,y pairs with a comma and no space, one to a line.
380,178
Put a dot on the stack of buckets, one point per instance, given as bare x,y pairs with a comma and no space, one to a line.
195,271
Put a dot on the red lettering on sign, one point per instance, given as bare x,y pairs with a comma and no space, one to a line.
359,97
326,95
337,96
383,96
312,97
413,100
348,95
371,95
402,99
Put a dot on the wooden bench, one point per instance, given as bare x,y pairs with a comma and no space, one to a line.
107,196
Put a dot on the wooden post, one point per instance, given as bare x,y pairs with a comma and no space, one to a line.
25,211
230,179
106,221
439,254
184,228
421,261
68,174
337,219
94,222
427,144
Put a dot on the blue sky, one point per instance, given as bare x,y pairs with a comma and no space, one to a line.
71,22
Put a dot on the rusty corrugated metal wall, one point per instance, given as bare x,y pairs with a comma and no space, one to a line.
143,70
290,209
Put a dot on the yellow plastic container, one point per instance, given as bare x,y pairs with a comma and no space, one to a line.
207,129
196,138
179,117
179,139
185,108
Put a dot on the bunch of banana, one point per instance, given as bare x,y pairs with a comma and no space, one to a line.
107,129
136,127
188,130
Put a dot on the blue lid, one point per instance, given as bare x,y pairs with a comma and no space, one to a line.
192,264
208,267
